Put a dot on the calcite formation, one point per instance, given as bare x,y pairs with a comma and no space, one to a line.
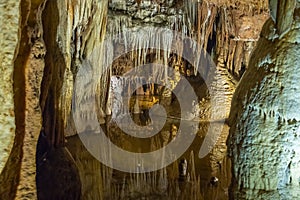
264,118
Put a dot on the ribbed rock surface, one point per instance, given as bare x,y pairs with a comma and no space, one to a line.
264,119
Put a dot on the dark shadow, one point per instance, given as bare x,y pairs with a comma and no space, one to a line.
57,176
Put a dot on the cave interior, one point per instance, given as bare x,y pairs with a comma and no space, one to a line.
150,99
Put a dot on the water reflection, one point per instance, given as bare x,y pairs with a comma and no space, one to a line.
187,178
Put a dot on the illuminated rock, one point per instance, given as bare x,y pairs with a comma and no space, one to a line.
264,118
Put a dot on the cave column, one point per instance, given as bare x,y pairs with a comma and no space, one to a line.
264,119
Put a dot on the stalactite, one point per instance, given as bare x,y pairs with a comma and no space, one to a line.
192,11
86,33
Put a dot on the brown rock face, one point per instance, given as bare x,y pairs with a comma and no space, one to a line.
264,134
19,170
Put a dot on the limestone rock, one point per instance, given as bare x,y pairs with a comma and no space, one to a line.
9,39
9,22
264,119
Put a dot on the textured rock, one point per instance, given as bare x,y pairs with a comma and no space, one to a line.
68,36
79,28
18,29
86,30
30,60
33,120
9,21
236,35
72,29
264,120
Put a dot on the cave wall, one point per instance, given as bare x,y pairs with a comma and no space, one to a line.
18,176
264,118
9,21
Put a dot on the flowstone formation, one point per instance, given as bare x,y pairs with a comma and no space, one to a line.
264,119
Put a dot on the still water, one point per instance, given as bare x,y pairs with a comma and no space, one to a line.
189,177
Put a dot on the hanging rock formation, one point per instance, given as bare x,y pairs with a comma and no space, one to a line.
264,118
70,35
